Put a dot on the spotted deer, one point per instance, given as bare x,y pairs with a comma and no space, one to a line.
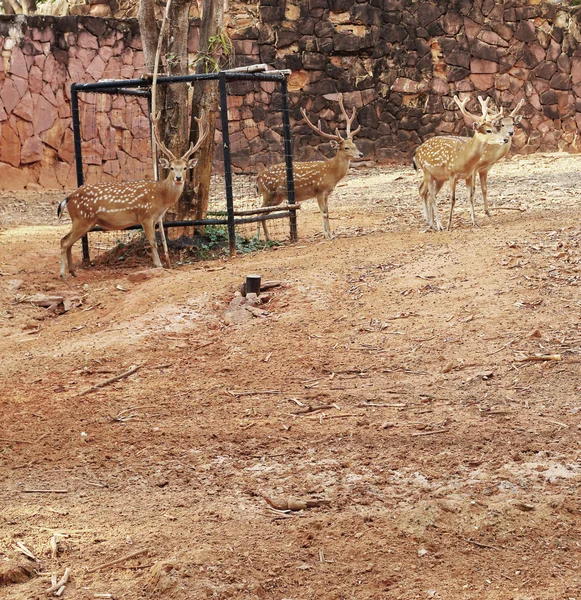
450,159
493,152
315,179
114,206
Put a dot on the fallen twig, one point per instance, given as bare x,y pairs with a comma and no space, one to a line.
54,544
252,393
110,380
429,432
290,504
45,491
378,405
298,402
25,550
118,561
564,425
480,545
503,347
325,417
539,358
61,582
311,409
519,208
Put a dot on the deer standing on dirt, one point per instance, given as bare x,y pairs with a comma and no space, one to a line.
114,206
450,159
315,179
493,152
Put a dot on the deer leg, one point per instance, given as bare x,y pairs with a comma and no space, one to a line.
266,236
484,185
452,201
267,200
472,191
434,188
437,186
424,200
324,208
149,229
75,234
163,241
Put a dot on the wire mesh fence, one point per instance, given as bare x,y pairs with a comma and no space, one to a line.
114,144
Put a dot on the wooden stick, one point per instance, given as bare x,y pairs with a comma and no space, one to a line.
502,348
60,582
118,561
510,208
25,550
252,393
110,380
325,417
267,209
482,545
539,358
381,405
311,409
45,491
429,432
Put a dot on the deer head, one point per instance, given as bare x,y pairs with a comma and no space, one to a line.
344,145
506,123
178,166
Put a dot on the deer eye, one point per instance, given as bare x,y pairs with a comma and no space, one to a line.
489,131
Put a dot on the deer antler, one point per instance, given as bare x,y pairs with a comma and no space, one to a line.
348,119
462,106
318,129
517,108
162,146
202,133
488,113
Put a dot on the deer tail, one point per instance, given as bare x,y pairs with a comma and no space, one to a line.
62,207
415,163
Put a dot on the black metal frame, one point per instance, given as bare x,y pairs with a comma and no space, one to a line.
135,87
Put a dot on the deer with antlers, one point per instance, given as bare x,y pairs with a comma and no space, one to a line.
315,179
114,206
452,158
493,152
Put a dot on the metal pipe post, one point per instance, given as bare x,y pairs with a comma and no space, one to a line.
288,157
227,163
78,157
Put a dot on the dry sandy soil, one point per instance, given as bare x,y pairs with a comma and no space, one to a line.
449,453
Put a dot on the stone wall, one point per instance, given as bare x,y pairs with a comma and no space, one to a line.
42,56
398,62
401,62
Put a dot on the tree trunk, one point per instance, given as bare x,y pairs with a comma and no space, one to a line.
149,29
176,102
11,7
205,98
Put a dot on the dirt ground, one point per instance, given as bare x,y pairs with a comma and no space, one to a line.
449,451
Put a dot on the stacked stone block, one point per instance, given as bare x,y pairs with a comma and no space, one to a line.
399,62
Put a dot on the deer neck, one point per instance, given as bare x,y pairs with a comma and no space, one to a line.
339,165
474,150
170,190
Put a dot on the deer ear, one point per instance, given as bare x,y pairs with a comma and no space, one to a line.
192,163
475,125
164,163
517,119
334,144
